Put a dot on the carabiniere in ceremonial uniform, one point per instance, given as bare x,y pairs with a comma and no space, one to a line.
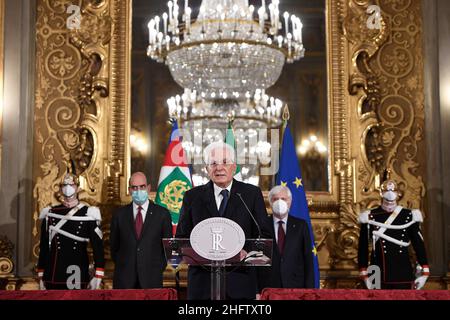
391,229
66,230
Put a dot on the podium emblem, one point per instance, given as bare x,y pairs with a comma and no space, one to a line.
217,239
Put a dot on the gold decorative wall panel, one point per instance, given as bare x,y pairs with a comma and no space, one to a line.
375,100
81,112
7,279
389,87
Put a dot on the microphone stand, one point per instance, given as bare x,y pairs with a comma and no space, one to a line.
258,244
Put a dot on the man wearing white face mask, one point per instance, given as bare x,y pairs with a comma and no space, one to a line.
389,229
292,259
66,230
136,236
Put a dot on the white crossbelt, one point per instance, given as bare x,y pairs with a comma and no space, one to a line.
72,218
390,239
388,225
388,221
68,234
57,228
394,227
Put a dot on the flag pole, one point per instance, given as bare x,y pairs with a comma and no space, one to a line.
230,118
285,116
230,139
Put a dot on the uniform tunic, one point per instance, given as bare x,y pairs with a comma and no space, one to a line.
58,255
393,258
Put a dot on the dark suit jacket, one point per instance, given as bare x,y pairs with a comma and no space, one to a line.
295,268
199,204
141,259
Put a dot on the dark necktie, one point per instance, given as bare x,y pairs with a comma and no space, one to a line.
223,204
281,237
138,222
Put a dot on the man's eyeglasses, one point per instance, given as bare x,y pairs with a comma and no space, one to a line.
224,163
136,188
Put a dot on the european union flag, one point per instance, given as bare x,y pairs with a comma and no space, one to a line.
290,176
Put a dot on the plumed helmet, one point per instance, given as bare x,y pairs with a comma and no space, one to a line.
70,178
389,185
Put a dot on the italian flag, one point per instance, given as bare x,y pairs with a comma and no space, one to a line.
229,139
174,178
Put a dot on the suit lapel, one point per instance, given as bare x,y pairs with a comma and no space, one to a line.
291,232
130,219
210,200
275,243
148,216
233,201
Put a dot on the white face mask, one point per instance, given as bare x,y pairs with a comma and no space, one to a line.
390,195
68,191
280,207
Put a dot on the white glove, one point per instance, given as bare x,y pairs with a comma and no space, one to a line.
364,277
95,283
422,273
419,270
41,285
420,282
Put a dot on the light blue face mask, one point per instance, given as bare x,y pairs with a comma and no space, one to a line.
139,196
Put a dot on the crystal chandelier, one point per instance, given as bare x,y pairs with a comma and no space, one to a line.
225,59
256,111
230,49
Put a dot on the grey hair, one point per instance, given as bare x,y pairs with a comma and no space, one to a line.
217,145
277,189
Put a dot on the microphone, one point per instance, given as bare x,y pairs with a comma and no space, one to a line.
251,215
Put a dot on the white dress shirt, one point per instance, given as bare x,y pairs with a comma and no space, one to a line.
276,225
144,209
217,194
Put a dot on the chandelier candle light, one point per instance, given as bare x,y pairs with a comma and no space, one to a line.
230,49
258,107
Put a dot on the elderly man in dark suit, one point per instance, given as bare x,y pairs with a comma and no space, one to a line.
219,197
136,239
292,259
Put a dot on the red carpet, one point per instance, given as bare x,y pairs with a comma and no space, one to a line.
148,294
267,294
348,294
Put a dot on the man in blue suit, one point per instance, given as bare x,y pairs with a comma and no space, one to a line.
292,258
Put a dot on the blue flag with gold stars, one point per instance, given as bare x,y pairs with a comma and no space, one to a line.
290,175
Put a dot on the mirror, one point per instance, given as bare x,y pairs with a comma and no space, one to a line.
302,86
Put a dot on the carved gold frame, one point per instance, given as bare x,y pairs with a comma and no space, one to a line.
83,112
